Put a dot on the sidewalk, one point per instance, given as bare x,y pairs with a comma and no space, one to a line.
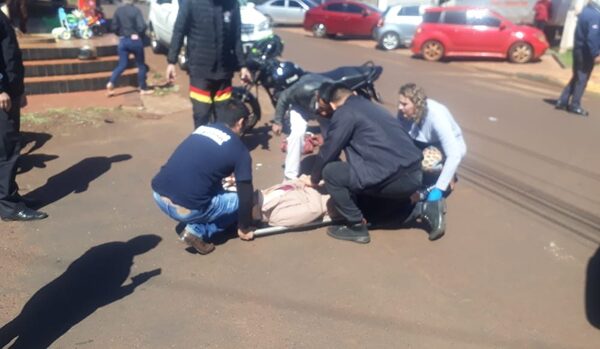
547,70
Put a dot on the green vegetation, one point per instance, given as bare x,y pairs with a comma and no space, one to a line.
565,58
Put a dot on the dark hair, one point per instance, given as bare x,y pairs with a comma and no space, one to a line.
333,92
231,112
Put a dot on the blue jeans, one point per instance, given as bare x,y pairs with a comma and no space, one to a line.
220,214
127,46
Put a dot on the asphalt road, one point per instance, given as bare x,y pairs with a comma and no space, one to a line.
513,271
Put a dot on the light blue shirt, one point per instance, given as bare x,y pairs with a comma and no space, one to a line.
439,128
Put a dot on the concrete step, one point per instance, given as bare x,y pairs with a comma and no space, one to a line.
76,83
71,66
43,50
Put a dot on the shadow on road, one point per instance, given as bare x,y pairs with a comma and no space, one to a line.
92,281
592,290
75,179
258,136
28,161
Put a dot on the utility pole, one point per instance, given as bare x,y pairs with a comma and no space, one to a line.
568,34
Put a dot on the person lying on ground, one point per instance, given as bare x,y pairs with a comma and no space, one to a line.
188,188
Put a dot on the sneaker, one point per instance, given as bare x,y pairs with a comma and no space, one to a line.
146,92
433,215
197,243
356,233
110,89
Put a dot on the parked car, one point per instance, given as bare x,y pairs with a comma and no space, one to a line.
475,32
161,19
286,11
397,26
342,18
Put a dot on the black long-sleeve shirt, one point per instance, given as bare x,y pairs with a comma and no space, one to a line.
12,71
128,20
375,144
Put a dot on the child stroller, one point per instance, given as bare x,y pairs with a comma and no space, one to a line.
93,15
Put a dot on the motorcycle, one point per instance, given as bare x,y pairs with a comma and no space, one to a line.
274,76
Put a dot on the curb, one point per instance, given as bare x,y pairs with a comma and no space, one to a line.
592,87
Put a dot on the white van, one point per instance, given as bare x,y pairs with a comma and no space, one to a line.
255,26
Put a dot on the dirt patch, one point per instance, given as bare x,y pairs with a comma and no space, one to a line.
67,118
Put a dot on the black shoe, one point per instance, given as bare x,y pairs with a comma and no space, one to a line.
416,212
579,111
333,228
357,233
433,214
560,106
25,214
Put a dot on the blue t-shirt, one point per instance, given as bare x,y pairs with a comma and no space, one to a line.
192,176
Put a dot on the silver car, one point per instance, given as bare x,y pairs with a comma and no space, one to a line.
286,11
398,25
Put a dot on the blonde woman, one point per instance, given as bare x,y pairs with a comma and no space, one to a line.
429,122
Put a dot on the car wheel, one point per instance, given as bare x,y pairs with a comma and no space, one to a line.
319,30
389,41
432,50
520,52
157,47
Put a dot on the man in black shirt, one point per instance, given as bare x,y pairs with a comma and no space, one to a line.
214,52
189,189
12,95
382,160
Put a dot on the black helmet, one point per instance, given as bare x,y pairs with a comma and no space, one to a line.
269,47
284,74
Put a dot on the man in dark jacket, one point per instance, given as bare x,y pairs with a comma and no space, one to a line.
586,53
12,95
381,161
214,52
300,100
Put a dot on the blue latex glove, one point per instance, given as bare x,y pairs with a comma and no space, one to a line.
435,194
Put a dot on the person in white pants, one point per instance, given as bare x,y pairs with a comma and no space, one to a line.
300,102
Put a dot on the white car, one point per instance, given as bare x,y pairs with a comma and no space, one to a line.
163,13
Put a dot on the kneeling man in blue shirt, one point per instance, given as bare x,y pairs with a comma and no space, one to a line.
188,188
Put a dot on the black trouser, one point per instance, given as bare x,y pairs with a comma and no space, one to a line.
10,147
207,96
583,64
337,182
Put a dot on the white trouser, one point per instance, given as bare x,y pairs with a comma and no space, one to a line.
295,144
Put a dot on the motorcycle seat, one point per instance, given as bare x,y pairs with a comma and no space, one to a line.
351,77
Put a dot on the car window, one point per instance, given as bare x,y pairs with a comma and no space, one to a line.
482,17
432,17
455,17
310,4
295,4
409,11
351,8
278,3
337,7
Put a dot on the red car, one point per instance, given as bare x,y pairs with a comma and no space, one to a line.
343,18
475,32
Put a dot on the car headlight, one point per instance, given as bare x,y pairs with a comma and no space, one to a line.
264,25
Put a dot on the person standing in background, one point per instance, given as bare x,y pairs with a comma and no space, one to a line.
586,53
128,23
